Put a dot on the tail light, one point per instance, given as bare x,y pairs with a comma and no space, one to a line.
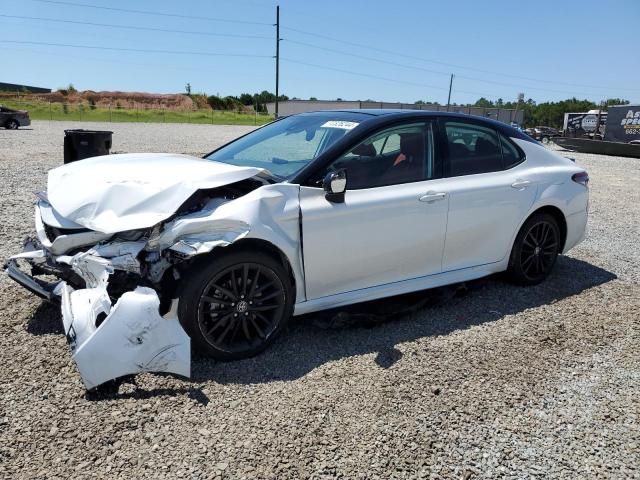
581,177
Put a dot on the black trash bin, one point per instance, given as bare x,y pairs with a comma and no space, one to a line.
80,143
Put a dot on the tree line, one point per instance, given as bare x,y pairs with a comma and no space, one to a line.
549,113
545,113
244,101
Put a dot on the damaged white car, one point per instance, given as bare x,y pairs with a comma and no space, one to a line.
313,211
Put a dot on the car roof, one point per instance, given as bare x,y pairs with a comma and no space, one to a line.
374,112
380,116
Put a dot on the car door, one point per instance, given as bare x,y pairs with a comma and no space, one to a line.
391,225
489,194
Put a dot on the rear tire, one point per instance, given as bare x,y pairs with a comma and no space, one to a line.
235,305
11,124
535,250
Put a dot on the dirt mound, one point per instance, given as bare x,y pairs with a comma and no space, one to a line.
136,99
172,101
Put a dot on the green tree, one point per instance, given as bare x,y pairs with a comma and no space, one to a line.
246,99
483,103
224,103
616,101
215,102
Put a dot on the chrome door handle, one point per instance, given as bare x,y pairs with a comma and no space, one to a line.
520,184
431,197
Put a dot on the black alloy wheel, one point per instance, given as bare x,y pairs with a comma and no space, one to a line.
235,307
539,249
535,251
11,125
241,307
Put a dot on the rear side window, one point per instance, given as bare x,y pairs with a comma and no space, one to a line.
510,154
472,149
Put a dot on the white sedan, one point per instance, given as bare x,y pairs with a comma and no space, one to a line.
310,212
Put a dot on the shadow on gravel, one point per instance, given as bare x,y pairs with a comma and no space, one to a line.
377,327
373,327
110,391
46,320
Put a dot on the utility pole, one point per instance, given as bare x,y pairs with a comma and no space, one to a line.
277,56
520,100
449,98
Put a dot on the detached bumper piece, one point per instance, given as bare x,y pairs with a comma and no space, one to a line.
129,338
47,290
108,341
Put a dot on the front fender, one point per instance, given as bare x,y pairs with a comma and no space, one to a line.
270,213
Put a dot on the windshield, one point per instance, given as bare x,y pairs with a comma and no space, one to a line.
286,146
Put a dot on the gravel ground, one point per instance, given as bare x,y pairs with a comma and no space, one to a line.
497,382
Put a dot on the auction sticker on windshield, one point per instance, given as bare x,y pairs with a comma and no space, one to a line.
340,124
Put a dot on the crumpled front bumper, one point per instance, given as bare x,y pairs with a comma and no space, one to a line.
109,340
132,338
48,290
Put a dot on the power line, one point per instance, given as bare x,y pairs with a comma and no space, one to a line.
415,67
326,37
377,77
49,29
462,67
122,49
118,61
297,42
355,55
147,12
137,27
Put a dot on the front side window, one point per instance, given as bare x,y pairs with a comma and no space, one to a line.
393,156
286,146
472,149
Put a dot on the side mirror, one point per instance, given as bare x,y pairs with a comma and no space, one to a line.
334,185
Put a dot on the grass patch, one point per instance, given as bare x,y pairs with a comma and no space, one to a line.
88,113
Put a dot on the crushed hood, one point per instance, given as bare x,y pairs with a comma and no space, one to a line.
115,193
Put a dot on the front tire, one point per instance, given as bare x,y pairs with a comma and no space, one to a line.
11,125
235,305
535,250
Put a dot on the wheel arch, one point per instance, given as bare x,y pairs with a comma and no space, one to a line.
270,249
198,272
559,217
552,210
247,244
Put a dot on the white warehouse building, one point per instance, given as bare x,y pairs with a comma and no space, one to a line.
291,107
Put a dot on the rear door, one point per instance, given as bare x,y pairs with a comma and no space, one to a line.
489,194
